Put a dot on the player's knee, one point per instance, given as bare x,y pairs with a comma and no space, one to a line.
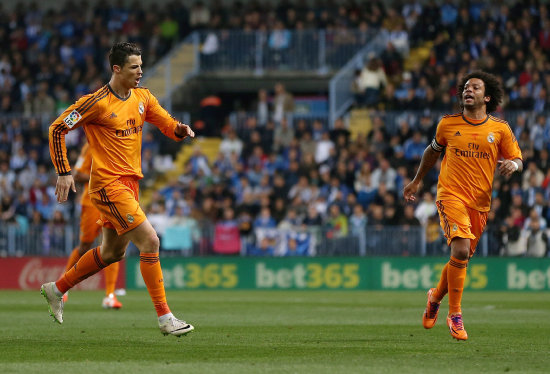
460,252
83,248
151,243
460,248
112,256
118,256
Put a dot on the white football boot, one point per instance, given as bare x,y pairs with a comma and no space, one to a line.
55,303
176,327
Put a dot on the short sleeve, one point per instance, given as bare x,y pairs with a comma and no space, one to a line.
439,142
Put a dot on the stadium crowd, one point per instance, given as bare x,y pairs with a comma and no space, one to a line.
278,173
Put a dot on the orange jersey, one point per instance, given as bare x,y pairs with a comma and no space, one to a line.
113,128
84,165
472,151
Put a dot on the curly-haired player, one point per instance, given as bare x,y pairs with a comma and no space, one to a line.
475,144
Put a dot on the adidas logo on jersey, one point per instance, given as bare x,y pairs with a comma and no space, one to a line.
457,133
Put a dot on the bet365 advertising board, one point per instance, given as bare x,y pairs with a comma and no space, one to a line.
341,273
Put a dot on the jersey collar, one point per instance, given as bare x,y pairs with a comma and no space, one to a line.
473,123
118,97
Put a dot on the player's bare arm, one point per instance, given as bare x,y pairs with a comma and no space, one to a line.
429,158
508,167
62,187
183,131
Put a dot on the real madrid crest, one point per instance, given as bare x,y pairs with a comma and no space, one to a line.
491,137
141,108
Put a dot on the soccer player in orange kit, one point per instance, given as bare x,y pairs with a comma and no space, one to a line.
113,118
475,144
89,230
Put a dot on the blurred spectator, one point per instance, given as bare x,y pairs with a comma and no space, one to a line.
385,174
279,41
291,221
159,219
199,16
299,243
169,31
324,148
231,144
337,223
43,103
307,145
283,135
414,148
313,217
283,103
279,211
262,108
371,83
264,219
358,226
264,247
435,241
338,131
426,208
399,38
227,238
408,218
535,216
198,163
536,238
209,49
7,209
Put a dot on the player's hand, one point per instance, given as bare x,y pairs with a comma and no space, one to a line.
62,187
184,131
409,191
506,167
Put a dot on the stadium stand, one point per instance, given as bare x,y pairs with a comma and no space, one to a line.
296,183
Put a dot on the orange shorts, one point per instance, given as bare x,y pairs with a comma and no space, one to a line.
118,205
89,229
459,221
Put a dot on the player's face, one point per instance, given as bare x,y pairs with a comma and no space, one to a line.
473,95
131,72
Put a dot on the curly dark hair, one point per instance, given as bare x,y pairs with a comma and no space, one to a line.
493,88
119,53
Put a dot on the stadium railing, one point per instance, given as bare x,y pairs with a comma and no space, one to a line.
20,239
23,239
312,51
238,120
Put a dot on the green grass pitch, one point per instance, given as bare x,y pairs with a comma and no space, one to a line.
275,332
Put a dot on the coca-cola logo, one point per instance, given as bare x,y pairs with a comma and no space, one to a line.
36,272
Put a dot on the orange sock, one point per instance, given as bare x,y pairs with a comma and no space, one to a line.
111,274
456,274
88,265
151,272
73,258
441,289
